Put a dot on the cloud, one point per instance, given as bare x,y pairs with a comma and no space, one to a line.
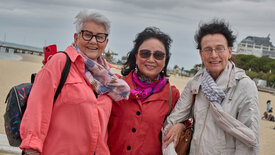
40,22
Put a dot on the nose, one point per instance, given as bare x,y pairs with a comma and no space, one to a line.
213,53
93,40
151,58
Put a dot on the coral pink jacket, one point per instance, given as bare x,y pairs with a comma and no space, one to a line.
135,126
76,123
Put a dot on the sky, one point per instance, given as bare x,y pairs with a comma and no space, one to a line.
44,22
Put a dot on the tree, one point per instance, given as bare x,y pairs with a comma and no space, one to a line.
176,69
197,67
124,59
261,68
181,71
108,55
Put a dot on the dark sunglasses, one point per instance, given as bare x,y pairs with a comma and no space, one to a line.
158,55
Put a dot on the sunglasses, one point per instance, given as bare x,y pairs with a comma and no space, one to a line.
158,55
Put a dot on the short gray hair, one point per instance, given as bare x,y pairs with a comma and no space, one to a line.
84,16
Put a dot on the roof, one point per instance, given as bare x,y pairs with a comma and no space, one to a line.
258,40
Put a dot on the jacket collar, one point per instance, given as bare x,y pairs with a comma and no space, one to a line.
72,53
235,74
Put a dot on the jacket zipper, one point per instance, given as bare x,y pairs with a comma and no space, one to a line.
203,128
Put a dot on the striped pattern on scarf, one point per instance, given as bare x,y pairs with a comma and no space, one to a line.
211,90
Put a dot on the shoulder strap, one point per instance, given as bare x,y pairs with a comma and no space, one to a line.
191,107
64,75
170,100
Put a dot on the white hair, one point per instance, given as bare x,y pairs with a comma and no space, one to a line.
84,16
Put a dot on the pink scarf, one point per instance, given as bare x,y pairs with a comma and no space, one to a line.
146,87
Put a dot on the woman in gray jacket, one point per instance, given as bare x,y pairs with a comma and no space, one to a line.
225,110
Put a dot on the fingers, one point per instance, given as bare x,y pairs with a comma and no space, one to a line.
167,131
169,136
168,141
172,134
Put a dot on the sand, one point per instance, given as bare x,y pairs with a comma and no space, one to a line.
13,72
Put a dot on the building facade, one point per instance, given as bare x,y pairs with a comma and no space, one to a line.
258,46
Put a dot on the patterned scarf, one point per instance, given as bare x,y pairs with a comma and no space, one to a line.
211,90
146,86
102,80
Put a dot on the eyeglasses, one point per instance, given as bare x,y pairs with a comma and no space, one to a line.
218,50
87,36
158,55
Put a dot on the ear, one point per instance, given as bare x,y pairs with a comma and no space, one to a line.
107,40
75,37
201,55
230,52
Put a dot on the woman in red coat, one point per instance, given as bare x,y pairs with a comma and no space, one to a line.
135,124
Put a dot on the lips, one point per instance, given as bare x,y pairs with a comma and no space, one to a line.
215,62
150,67
92,48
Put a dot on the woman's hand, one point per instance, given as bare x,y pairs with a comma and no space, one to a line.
31,152
172,134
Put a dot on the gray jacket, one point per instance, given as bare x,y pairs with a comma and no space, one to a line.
241,102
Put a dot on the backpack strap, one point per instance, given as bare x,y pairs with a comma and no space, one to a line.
64,75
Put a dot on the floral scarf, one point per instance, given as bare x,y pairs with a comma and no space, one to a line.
102,80
146,86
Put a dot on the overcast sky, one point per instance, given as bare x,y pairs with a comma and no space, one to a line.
43,22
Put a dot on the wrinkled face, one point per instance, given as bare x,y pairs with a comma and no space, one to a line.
152,65
216,60
92,49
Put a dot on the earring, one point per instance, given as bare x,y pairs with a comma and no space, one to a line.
136,69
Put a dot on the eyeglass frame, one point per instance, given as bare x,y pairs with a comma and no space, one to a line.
210,50
94,35
154,52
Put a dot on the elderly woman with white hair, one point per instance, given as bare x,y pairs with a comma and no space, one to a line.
77,122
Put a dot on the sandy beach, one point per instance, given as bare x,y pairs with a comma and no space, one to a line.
13,72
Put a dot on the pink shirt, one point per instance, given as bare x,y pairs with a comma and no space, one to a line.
77,123
135,126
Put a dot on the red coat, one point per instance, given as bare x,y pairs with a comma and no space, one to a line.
135,126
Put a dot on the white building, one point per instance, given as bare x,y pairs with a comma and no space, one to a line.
258,46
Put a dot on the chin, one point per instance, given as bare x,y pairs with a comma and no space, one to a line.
93,57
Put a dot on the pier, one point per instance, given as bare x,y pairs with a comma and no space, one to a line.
18,48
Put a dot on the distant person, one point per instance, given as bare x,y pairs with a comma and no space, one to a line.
271,110
76,124
265,116
268,102
226,110
135,124
271,117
